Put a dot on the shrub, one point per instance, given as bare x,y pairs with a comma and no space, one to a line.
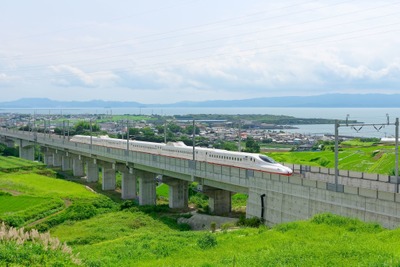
2,193
207,241
31,248
249,222
350,224
213,226
14,221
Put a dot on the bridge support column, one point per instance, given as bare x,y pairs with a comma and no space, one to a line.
108,176
178,192
57,159
9,143
48,159
66,163
78,166
92,172
128,185
47,156
26,150
129,181
220,201
147,188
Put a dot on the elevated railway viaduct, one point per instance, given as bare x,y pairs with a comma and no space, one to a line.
272,197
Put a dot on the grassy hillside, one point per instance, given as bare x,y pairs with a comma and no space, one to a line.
12,163
132,238
369,158
102,232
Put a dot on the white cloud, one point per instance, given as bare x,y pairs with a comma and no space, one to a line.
67,76
161,55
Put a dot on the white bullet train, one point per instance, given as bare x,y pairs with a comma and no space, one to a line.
180,150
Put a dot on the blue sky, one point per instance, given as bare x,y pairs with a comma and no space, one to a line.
175,50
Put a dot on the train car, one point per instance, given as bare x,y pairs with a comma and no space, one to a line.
179,150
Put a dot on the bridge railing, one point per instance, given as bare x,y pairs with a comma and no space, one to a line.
370,181
233,175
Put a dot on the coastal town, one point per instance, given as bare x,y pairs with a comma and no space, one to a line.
208,132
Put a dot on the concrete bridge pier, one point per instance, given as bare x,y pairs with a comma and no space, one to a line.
220,201
9,143
108,172
78,166
147,188
178,192
26,150
47,156
57,159
92,172
128,183
66,162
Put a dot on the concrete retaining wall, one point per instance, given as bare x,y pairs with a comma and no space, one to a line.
298,198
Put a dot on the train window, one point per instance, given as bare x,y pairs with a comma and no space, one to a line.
267,159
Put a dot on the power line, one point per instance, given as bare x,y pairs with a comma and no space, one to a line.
152,51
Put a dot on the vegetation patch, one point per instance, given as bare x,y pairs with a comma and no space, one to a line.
31,248
19,210
12,164
368,157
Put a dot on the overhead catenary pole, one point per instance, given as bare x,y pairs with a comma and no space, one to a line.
127,137
240,137
193,142
165,132
337,153
360,125
91,138
396,151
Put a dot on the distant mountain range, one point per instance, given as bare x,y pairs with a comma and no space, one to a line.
320,101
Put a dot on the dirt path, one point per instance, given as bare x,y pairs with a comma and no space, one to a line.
67,203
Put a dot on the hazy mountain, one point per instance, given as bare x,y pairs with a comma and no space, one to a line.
48,103
327,100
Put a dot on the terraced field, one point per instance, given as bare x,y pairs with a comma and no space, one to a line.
12,163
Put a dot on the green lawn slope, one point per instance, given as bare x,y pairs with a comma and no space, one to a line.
369,158
132,238
102,232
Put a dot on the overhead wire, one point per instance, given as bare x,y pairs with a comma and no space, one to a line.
251,50
152,51
245,50
91,47
222,38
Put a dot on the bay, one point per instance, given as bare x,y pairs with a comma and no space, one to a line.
377,116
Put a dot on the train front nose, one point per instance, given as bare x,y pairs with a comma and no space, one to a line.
286,170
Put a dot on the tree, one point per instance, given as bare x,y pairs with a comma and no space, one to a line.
189,130
83,127
252,146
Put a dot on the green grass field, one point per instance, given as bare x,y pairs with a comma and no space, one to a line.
17,163
31,196
128,238
34,184
108,233
367,158
15,204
